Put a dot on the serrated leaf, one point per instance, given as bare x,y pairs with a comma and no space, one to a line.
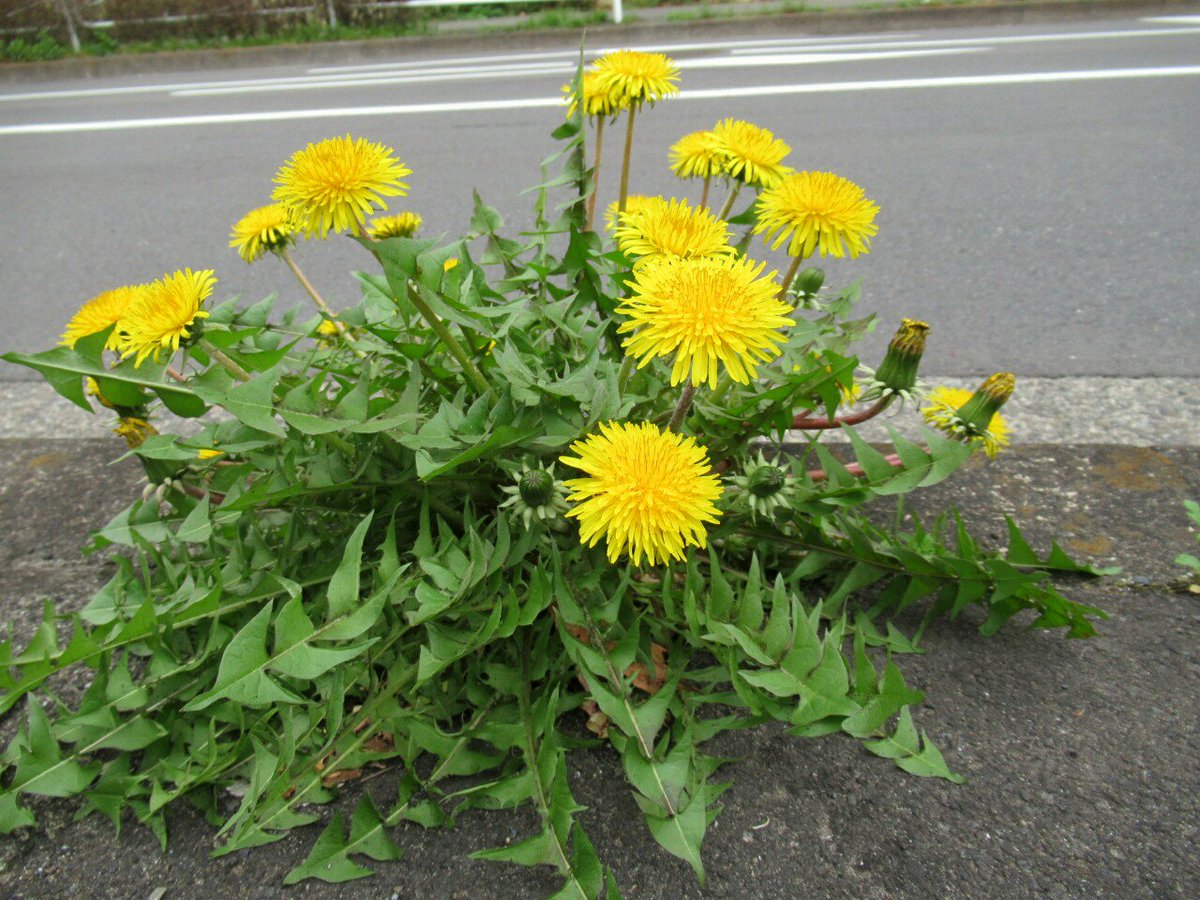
329,859
344,585
13,815
42,769
241,675
196,528
681,835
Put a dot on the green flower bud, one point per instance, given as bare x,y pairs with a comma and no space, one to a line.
977,413
536,487
809,281
766,481
898,371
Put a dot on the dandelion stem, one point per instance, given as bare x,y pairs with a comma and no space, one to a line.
176,375
287,257
324,307
733,192
226,363
450,342
591,203
621,198
790,276
819,424
704,193
681,408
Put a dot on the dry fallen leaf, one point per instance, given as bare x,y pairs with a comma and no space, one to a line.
340,776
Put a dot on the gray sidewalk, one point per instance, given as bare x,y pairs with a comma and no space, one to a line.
1081,755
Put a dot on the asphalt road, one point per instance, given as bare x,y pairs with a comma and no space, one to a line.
1037,183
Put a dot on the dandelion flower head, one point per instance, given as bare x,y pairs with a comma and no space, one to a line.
98,313
159,318
753,155
266,228
661,228
630,78
599,96
335,184
817,210
648,493
708,312
634,204
697,155
941,411
135,431
403,225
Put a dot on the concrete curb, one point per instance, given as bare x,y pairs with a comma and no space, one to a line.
648,25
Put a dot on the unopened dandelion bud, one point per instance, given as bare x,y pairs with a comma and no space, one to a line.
148,490
536,487
977,413
898,371
160,492
809,281
766,481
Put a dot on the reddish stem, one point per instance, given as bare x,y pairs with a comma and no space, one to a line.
855,468
813,424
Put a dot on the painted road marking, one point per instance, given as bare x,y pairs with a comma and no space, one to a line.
999,39
545,102
566,69
736,48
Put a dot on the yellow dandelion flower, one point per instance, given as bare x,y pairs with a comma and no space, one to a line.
817,210
204,454
328,329
697,155
942,411
450,263
98,313
661,228
706,311
134,430
404,225
647,492
336,184
599,99
159,318
634,204
753,155
266,228
629,78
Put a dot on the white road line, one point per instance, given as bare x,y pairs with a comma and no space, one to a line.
281,80
565,69
1020,78
998,39
548,60
589,53
370,79
738,48
1172,20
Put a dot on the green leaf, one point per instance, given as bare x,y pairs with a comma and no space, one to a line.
329,859
251,402
42,769
296,655
906,749
681,835
344,585
241,676
12,815
196,527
